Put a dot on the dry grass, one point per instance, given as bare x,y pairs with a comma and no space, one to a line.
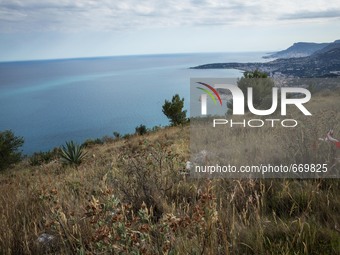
244,146
130,197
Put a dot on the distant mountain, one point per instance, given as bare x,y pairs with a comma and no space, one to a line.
330,46
323,63
299,49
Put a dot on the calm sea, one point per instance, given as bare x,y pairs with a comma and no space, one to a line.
52,101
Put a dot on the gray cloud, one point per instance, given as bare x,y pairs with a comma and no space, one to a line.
102,15
312,15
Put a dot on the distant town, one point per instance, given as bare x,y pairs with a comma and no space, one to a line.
301,60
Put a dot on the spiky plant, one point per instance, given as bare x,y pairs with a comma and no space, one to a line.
72,153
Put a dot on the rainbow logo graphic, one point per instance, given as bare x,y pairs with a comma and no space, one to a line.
209,92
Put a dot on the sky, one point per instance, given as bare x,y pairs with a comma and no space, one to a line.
49,29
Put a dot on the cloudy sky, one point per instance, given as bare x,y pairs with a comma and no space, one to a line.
43,29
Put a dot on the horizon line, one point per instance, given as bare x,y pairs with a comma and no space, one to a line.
129,55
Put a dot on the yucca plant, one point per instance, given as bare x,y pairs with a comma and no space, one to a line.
72,153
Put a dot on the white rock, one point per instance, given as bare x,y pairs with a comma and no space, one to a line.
45,238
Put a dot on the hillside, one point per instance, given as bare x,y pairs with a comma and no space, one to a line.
297,50
324,63
329,47
132,196
320,64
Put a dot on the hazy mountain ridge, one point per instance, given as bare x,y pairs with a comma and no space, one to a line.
299,49
322,63
331,46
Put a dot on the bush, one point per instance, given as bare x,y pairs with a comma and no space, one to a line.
262,90
156,128
90,142
116,134
39,158
127,136
174,110
141,130
72,153
107,139
141,172
255,74
9,146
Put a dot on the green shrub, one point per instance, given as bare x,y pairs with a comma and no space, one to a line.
127,136
174,110
91,142
255,74
262,90
156,128
72,153
39,158
9,148
141,130
116,134
107,139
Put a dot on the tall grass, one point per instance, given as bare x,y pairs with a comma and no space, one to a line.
131,197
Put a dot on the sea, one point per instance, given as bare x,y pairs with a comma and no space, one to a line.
49,102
